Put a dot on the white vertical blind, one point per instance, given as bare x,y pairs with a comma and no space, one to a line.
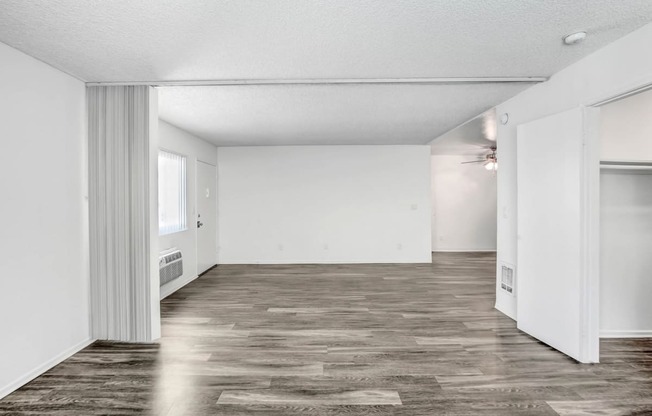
120,226
171,192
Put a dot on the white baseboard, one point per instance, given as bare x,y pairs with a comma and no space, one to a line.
173,286
13,386
610,333
464,251
425,260
505,311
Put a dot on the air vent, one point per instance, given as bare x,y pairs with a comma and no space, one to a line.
507,279
170,264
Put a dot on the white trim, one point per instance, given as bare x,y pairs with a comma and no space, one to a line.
465,251
21,381
322,261
631,333
502,309
324,81
590,255
171,287
626,89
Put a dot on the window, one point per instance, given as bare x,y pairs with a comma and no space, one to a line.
171,192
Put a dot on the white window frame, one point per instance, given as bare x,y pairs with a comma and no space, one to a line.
178,215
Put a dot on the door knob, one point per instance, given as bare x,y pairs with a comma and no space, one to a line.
199,224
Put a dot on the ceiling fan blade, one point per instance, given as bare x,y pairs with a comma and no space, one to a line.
473,161
485,146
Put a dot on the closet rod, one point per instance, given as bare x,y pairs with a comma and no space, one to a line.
612,164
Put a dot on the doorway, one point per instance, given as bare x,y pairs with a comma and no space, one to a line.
463,187
206,216
626,217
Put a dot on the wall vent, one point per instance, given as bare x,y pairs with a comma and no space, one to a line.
507,279
170,265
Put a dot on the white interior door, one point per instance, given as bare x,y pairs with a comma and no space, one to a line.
206,216
557,248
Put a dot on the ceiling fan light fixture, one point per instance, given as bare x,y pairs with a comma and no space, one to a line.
489,161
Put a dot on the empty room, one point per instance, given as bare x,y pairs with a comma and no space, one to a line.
325,207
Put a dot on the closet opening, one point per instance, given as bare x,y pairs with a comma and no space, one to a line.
626,217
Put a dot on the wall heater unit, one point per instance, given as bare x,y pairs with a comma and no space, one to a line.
170,265
507,278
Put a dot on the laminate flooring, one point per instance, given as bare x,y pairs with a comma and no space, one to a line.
341,339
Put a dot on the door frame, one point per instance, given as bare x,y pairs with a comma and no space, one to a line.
590,280
197,197
592,176
590,234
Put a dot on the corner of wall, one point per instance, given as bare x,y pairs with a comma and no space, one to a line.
31,375
506,305
173,286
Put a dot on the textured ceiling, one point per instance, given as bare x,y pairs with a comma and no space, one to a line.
127,40
327,114
153,40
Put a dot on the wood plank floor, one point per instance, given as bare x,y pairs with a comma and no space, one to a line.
341,339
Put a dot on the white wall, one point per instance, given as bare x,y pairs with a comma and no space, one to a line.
626,129
615,68
179,141
324,204
44,288
463,205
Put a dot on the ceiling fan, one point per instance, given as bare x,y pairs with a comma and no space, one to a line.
490,160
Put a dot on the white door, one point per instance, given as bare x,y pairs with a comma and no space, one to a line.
206,216
557,247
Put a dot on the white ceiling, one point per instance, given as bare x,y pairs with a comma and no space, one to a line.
473,138
127,40
342,114
154,40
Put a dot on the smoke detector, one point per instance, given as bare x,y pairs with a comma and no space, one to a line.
574,38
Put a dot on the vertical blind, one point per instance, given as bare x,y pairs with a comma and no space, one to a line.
123,298
171,192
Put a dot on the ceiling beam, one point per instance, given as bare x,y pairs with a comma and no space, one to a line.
329,81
